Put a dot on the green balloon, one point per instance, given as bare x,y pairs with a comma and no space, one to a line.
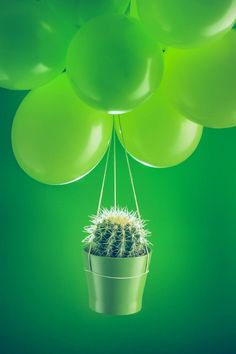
88,9
201,82
113,64
33,44
68,11
181,23
77,12
157,135
56,138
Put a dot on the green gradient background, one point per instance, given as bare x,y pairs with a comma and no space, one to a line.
190,298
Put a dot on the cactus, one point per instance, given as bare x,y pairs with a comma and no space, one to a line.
117,233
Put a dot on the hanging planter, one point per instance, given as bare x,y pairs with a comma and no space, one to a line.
116,255
117,259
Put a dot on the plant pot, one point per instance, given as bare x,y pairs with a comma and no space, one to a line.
116,285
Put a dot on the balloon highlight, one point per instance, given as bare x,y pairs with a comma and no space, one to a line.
183,23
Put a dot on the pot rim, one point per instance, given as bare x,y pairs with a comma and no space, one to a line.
118,258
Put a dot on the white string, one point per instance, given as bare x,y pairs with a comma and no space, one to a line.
133,186
100,200
115,186
114,157
103,179
130,172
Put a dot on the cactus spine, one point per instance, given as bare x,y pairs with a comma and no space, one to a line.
117,233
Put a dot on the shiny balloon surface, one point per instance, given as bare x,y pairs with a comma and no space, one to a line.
56,138
114,64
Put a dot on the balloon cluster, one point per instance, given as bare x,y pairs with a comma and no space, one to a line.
85,59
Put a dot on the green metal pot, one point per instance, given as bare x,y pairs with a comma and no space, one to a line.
116,285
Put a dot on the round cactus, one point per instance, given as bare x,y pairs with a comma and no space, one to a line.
116,233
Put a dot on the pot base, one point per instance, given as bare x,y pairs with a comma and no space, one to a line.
116,285
102,309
